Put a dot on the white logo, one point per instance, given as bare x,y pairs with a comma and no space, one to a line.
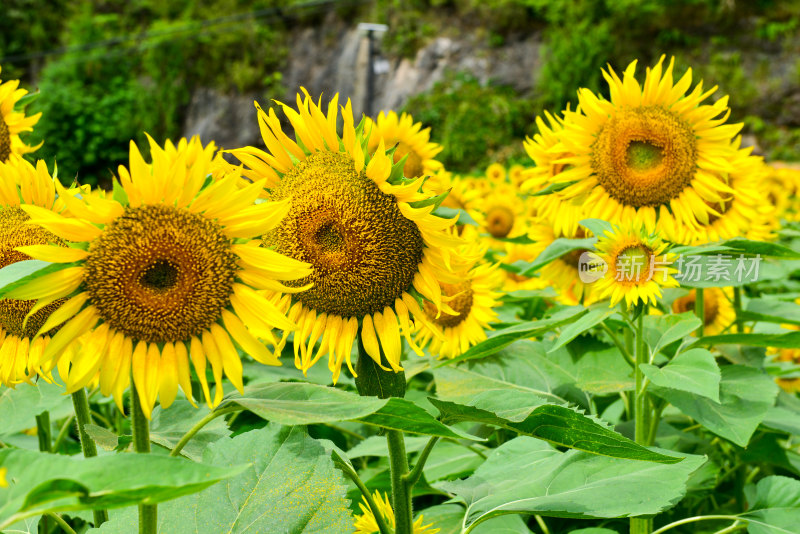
591,267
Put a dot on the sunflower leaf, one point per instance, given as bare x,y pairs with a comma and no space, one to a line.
556,249
14,275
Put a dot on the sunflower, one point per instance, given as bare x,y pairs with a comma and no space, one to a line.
411,141
651,151
516,175
637,266
13,123
375,244
496,173
747,213
3,481
166,272
473,299
504,214
365,522
23,184
718,313
513,281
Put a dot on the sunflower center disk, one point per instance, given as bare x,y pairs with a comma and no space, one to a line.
160,274
14,232
499,221
462,303
645,156
633,265
688,303
5,141
364,252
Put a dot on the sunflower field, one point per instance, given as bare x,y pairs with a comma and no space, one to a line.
335,332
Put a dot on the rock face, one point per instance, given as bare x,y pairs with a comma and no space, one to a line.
332,58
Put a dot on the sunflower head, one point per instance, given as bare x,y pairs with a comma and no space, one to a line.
14,122
166,271
410,140
496,173
638,266
377,249
22,184
365,522
718,311
653,151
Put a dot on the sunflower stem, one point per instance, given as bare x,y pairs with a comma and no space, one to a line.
43,431
737,304
401,492
200,424
415,474
140,427
700,310
641,409
83,417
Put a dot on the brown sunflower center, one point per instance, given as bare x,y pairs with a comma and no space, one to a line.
645,156
710,305
365,253
5,140
15,232
633,265
499,221
462,303
160,274
413,167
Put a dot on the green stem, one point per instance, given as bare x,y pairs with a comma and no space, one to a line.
737,304
415,474
61,523
625,353
383,528
700,310
200,424
695,519
140,427
401,492
43,431
83,417
62,433
640,525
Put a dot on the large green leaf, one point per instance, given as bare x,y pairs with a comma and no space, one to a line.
746,395
790,340
21,272
523,366
559,425
775,506
290,486
661,330
693,371
402,414
42,482
526,476
771,310
169,426
601,372
20,406
502,338
299,403
596,315
450,460
735,271
448,518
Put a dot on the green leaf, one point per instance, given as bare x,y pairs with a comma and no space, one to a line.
661,330
556,249
402,414
20,406
603,372
526,476
771,310
789,340
167,427
21,272
376,446
596,315
740,245
41,482
299,403
559,425
450,460
552,188
694,371
745,396
290,486
102,437
448,518
448,213
502,338
775,507
724,270
523,367
598,227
